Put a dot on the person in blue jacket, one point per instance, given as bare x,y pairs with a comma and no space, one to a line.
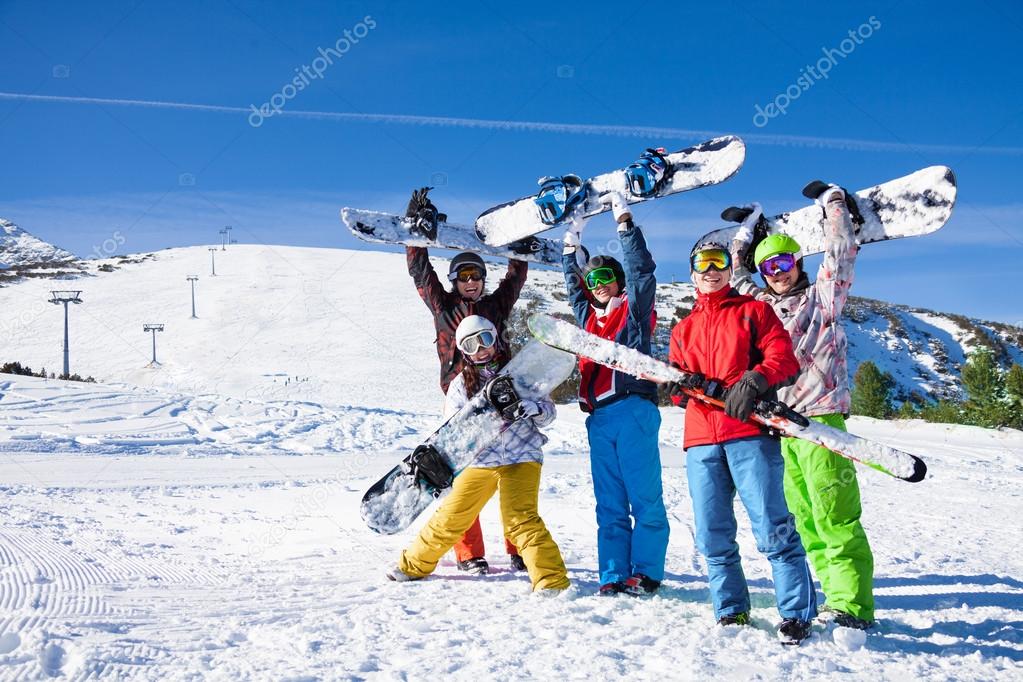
616,301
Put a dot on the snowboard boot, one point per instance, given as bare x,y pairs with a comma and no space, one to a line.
474,566
399,576
792,631
611,589
517,563
640,585
845,620
734,619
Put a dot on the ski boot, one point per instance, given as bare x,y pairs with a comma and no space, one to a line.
846,620
611,589
640,585
792,631
741,618
399,576
474,566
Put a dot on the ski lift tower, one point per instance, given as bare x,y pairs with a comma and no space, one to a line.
64,298
227,229
213,261
153,328
223,239
193,279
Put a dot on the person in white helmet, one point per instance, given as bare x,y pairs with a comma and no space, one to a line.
511,465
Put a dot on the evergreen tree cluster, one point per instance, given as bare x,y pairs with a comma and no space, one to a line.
994,395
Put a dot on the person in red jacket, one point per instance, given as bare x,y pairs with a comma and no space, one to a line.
467,273
739,342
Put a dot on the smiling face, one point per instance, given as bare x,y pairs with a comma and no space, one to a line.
471,290
484,355
712,280
605,292
782,282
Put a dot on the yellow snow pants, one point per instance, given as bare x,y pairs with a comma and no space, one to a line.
519,486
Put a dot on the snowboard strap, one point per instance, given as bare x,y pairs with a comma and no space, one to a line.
427,464
558,197
501,393
642,176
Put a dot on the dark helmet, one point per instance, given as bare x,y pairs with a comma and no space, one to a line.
463,259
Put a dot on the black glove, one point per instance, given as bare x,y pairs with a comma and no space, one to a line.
743,394
423,214
691,380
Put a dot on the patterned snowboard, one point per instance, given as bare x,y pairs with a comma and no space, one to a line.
395,501
707,163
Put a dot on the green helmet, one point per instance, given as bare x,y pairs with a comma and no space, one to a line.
775,244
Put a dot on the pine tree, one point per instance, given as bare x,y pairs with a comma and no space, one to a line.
871,394
1014,389
982,378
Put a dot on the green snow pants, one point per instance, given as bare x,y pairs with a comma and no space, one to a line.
824,496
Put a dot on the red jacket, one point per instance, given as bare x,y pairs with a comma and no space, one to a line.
726,334
449,308
600,385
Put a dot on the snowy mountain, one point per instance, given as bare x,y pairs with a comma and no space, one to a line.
323,324
23,255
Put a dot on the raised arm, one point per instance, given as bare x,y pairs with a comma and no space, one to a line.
742,279
835,276
507,292
425,277
640,284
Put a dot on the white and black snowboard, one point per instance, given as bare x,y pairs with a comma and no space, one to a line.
910,206
772,414
387,228
395,501
708,163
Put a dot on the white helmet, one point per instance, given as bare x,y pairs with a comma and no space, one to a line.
473,333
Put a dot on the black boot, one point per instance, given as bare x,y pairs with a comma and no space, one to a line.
517,563
792,631
640,585
474,566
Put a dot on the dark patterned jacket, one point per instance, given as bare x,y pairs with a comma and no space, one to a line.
449,308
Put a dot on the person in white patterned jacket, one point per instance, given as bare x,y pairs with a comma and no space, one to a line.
510,466
820,487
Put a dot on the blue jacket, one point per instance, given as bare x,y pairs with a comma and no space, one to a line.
630,322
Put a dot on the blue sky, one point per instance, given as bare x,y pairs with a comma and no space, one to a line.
932,84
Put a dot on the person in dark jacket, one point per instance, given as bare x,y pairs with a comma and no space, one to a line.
739,342
467,274
616,301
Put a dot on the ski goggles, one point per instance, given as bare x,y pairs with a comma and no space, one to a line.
775,265
471,345
716,259
598,277
467,273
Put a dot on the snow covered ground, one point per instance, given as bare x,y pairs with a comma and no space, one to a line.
200,519
155,535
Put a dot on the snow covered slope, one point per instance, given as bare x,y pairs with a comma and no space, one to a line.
149,534
347,327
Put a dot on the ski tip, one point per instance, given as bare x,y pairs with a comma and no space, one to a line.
919,471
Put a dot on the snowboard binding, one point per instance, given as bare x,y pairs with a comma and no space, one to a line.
815,188
427,465
736,214
558,197
500,392
648,174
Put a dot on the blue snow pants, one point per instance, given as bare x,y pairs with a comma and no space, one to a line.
625,462
755,468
